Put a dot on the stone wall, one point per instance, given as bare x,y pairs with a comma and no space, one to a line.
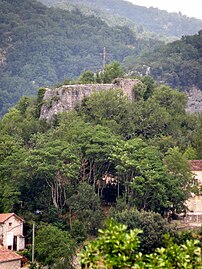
67,97
11,264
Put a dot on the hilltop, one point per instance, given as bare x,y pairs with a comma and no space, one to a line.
42,46
177,64
150,19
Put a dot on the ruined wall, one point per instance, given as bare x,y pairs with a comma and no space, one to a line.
67,97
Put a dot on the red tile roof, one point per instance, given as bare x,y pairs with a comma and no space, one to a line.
8,255
196,165
5,216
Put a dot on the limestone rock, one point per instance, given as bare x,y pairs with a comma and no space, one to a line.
194,104
67,97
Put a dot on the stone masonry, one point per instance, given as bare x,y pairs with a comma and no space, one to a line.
67,97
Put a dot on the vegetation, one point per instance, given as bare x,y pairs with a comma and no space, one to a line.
131,156
177,64
109,157
167,24
42,46
116,247
52,244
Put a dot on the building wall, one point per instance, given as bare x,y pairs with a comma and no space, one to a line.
194,203
13,227
1,234
10,264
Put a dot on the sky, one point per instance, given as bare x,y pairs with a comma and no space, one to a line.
191,8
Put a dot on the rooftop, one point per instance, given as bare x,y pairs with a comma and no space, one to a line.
196,165
8,255
5,216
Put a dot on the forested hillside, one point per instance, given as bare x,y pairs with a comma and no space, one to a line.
152,19
43,46
177,64
130,156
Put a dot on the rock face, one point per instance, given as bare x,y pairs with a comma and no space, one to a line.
194,104
67,97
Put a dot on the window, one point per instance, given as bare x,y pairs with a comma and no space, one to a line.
10,224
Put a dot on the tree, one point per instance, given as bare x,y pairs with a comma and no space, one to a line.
56,163
85,206
140,170
116,112
182,182
53,246
111,71
87,77
12,155
116,247
153,227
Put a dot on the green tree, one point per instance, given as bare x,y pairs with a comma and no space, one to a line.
142,173
87,77
85,205
181,179
56,164
116,247
116,112
12,155
53,246
153,227
111,71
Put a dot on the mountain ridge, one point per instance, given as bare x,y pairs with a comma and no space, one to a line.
153,19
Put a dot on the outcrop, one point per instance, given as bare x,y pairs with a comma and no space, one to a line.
194,104
67,97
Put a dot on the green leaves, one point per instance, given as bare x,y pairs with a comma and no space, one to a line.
118,248
53,245
114,248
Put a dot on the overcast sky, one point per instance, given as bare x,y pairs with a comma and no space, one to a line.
191,8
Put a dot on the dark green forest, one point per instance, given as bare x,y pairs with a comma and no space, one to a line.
42,46
151,19
177,64
111,174
131,157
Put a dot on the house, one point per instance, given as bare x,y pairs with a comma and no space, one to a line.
9,259
194,203
11,231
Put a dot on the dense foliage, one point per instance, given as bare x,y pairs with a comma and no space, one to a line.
116,247
108,152
169,24
42,46
177,64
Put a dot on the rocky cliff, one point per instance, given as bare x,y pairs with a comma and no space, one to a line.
67,97
194,104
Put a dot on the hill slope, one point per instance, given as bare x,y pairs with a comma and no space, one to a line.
42,46
177,64
153,19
